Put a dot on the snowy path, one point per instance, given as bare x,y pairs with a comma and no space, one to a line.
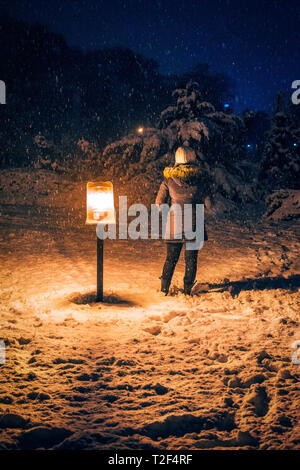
142,370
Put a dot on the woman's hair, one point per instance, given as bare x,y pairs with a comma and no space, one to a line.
185,155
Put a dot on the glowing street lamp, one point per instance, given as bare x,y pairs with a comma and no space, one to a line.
140,130
100,210
100,203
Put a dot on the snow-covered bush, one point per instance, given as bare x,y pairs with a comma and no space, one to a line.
77,156
136,149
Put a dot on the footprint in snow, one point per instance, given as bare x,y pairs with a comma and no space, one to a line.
153,330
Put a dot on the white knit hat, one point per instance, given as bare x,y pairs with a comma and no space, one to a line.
185,155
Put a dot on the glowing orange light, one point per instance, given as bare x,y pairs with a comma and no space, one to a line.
140,130
100,203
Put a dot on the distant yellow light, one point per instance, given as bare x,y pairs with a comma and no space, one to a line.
100,203
140,130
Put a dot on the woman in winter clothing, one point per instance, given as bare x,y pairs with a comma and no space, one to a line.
184,183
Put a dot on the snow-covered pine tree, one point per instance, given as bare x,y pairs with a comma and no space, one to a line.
280,166
219,136
216,137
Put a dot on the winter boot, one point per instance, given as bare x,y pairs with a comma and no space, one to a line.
188,287
165,285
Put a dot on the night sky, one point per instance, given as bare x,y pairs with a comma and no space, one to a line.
255,42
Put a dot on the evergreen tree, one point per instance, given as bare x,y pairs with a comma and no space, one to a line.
217,135
280,166
256,123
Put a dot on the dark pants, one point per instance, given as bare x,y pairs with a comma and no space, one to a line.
173,253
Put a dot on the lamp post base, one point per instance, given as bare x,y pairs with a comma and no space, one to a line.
99,296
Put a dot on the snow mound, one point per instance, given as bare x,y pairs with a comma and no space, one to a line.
283,205
179,425
40,187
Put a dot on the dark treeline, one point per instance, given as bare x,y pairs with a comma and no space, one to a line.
59,95
64,93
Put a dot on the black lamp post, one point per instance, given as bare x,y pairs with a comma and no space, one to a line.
100,210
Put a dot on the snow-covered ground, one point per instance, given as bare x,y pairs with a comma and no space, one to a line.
141,370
